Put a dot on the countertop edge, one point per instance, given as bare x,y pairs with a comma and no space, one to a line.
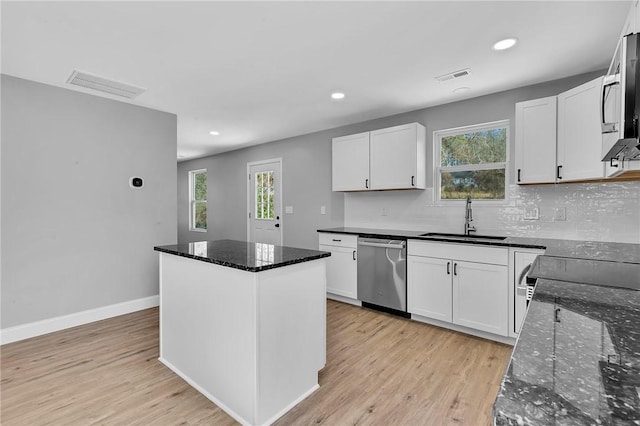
241,267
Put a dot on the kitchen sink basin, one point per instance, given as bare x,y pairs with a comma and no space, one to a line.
463,236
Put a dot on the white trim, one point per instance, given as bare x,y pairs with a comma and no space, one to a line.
466,330
437,138
249,192
38,328
344,299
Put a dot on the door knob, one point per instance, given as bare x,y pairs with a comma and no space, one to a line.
277,225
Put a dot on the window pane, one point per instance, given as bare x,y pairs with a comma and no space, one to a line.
200,186
487,146
200,215
264,195
480,184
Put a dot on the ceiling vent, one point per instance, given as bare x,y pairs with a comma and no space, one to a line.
453,75
102,84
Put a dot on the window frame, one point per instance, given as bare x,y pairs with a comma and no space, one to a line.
193,202
437,168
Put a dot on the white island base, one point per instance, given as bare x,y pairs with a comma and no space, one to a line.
251,342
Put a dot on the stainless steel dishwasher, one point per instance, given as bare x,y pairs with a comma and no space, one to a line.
382,274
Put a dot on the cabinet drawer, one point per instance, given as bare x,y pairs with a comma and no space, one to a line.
338,240
468,252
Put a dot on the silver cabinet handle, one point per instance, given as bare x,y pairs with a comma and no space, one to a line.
391,246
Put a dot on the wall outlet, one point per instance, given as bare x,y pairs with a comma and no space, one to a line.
288,209
560,214
323,210
531,213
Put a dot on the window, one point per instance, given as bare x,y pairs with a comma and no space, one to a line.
472,160
198,200
264,195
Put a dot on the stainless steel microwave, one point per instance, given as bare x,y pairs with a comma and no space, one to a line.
621,103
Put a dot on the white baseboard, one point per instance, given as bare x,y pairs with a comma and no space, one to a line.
466,330
344,299
38,328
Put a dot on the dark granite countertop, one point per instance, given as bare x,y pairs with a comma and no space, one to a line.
251,257
616,252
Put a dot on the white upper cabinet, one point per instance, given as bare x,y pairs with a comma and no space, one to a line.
536,140
392,158
350,163
579,133
398,157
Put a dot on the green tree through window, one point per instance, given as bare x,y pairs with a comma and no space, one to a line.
198,200
472,161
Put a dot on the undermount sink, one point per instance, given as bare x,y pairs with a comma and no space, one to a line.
463,236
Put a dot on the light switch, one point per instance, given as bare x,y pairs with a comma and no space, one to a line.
323,210
560,214
288,209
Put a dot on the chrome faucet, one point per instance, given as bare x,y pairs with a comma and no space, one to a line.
468,218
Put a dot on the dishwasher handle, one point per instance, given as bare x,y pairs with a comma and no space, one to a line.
382,245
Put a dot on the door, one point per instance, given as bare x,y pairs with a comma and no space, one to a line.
536,141
342,271
264,202
429,287
480,296
350,163
580,133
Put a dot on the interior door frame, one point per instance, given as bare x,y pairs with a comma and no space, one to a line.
250,190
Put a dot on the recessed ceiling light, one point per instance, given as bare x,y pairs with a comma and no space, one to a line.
337,95
214,133
505,44
462,90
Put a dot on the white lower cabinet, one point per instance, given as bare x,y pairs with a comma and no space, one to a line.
480,297
342,265
429,287
469,290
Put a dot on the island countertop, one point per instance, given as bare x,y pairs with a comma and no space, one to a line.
250,257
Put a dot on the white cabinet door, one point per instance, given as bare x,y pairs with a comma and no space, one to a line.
350,162
342,270
429,287
480,296
579,133
536,140
398,157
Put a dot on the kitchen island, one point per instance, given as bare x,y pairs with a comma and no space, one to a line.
244,323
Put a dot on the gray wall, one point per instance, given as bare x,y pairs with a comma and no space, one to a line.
306,185
75,236
307,166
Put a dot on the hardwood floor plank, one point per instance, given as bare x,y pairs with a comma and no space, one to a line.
381,370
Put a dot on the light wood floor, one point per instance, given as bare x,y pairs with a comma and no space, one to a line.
381,370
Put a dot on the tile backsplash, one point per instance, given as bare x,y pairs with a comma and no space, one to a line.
586,211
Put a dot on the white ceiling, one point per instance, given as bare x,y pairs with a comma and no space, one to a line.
263,71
